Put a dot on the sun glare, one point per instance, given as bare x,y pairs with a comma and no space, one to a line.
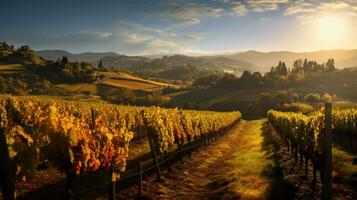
331,27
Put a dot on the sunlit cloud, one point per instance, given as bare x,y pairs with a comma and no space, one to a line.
299,7
125,37
192,38
134,38
188,14
334,5
177,26
310,10
239,9
265,5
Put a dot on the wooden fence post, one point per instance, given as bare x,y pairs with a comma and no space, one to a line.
327,152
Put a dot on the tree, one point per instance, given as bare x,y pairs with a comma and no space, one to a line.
326,97
297,65
284,69
25,48
64,60
246,75
305,65
330,65
100,64
4,45
257,76
266,101
312,98
281,69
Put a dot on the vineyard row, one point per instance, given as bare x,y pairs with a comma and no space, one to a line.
80,138
304,134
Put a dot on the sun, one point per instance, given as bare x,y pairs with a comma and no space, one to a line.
331,27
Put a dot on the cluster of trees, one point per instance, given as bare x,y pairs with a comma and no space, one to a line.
63,71
207,80
280,70
44,72
309,66
24,54
287,100
317,98
6,47
127,96
300,68
55,71
278,77
164,70
18,86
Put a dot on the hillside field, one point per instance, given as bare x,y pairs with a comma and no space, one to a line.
12,69
116,80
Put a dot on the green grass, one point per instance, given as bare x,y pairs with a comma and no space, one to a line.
256,165
245,164
344,166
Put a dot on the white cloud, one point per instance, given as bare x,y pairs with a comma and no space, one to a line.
264,5
121,37
134,38
103,34
309,11
224,1
158,43
189,14
299,7
239,9
191,38
296,9
334,5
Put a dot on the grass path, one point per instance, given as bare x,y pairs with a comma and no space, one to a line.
243,164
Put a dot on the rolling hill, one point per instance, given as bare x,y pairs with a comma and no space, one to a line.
264,60
89,57
115,60
116,80
124,61
248,60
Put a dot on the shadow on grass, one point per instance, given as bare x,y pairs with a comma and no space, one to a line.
94,183
279,188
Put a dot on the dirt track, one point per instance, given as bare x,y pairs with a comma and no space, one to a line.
244,164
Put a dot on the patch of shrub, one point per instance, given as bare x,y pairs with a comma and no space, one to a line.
296,107
312,98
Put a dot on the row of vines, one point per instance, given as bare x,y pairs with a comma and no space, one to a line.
80,138
304,134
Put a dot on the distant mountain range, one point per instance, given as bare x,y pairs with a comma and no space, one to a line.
252,60
111,59
263,61
84,57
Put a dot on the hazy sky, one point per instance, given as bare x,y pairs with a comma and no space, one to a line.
179,26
